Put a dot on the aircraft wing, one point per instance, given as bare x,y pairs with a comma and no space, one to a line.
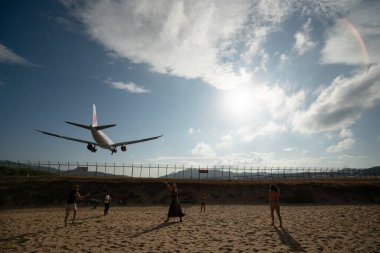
68,138
135,141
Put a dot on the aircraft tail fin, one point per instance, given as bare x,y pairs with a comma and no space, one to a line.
94,122
104,126
78,125
94,119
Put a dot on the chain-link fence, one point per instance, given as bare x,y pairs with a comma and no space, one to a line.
21,170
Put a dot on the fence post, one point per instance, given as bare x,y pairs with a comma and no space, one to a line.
67,171
59,169
149,170
140,170
105,170
132,170
257,172
123,170
222,173
166,171
96,169
229,173
114,171
271,173
18,171
158,171
49,176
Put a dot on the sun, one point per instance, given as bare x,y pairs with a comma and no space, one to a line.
240,103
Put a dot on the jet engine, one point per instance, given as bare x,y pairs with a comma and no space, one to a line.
91,147
123,148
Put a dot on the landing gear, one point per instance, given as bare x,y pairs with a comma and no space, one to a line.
91,147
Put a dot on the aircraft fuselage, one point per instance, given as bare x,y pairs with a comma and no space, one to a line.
102,139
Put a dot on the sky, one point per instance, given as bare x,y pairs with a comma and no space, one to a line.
242,83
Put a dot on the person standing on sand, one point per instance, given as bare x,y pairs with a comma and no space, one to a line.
71,203
274,203
202,198
107,201
175,209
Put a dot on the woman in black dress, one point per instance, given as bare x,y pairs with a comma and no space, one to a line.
175,209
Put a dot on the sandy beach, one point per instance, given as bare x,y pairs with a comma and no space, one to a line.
229,228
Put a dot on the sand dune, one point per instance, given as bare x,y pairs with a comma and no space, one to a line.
229,228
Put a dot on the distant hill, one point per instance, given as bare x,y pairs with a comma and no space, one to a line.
10,168
21,168
218,174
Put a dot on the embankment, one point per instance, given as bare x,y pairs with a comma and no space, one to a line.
54,193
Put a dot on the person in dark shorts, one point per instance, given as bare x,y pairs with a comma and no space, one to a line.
175,209
202,198
107,201
71,203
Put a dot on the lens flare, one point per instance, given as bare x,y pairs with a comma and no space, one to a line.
358,38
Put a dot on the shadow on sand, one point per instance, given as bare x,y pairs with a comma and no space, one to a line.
89,218
157,227
288,240
19,238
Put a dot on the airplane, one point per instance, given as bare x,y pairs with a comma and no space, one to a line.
101,139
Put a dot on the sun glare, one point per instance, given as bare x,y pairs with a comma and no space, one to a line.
240,103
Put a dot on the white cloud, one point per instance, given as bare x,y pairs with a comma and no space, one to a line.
131,87
355,39
174,37
202,149
256,161
288,149
328,136
192,131
262,100
9,57
240,159
341,146
303,42
345,133
351,158
341,104
210,40
256,37
226,142
277,102
249,132
284,58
